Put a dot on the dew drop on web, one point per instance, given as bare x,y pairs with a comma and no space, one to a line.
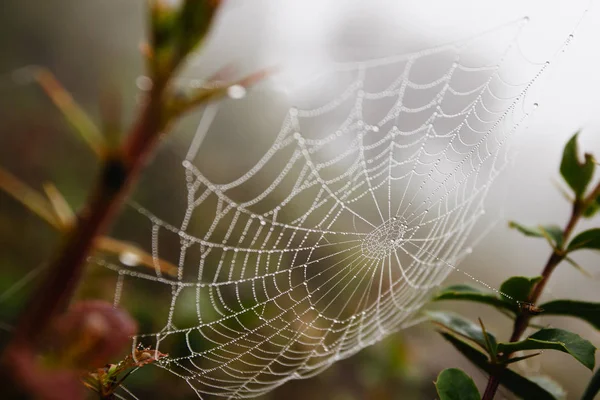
236,91
129,259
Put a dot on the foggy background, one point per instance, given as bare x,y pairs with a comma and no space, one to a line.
92,48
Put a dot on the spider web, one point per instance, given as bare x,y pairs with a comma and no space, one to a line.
361,204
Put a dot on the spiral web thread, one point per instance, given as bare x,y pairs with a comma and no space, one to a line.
337,235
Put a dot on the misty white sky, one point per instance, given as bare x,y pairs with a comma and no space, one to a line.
306,35
303,35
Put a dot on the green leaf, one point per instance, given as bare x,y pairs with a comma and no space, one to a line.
526,230
589,239
517,359
458,325
454,384
577,174
550,385
514,382
177,30
593,387
556,339
163,20
519,287
194,21
473,354
589,312
469,293
592,209
553,233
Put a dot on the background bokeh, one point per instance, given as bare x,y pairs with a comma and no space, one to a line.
92,48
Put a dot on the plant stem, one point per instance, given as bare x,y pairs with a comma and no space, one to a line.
119,172
524,317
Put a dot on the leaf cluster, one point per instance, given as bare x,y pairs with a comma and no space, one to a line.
516,298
